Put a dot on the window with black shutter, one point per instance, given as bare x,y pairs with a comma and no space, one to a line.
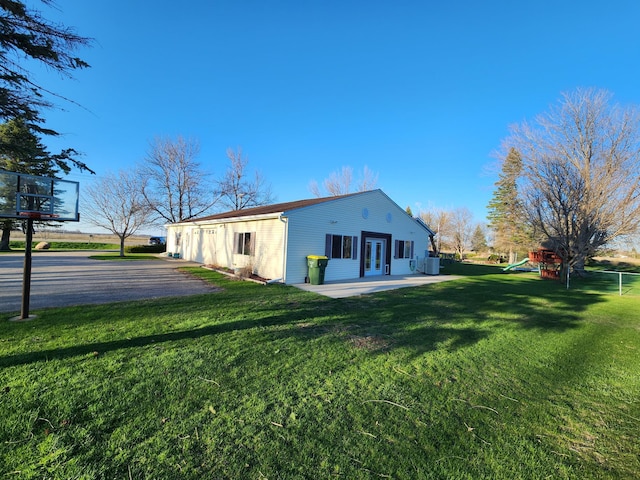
341,246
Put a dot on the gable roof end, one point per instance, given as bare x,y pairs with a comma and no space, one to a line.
424,224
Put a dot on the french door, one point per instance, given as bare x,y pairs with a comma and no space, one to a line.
374,256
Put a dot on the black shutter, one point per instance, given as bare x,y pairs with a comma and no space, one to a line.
396,249
327,245
354,246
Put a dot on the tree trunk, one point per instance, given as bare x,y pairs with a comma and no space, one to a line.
564,272
578,266
122,246
6,234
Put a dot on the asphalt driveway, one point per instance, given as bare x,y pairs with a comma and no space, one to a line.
61,279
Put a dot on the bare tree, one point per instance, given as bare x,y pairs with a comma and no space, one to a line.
341,182
581,181
439,221
314,188
173,182
368,180
461,230
116,203
237,190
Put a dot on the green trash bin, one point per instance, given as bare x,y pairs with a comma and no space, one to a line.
317,265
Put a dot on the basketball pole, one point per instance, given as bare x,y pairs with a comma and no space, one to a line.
26,277
36,198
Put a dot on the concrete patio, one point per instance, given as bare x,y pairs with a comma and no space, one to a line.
366,285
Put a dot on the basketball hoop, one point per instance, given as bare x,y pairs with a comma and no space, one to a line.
38,215
33,198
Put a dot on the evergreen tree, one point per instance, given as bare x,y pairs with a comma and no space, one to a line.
504,209
26,36
478,239
22,151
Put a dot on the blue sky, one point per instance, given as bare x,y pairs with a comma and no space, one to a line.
420,92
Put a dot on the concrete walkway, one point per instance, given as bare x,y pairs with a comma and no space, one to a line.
365,285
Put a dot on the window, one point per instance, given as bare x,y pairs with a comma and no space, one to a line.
341,246
407,249
403,249
336,246
244,243
346,246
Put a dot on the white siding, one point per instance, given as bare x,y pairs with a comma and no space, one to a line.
213,244
173,232
344,216
301,232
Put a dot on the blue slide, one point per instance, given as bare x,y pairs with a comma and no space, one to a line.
514,265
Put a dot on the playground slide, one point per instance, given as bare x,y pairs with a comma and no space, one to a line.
514,265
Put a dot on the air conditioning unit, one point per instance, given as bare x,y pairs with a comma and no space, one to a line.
432,266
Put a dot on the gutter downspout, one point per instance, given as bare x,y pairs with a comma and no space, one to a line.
285,245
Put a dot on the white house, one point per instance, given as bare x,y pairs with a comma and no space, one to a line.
362,233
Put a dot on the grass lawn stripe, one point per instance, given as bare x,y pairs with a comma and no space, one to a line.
491,376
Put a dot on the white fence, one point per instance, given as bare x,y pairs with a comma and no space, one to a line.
607,281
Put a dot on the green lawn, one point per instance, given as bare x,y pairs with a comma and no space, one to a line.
499,376
19,245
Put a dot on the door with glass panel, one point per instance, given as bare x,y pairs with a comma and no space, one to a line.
373,257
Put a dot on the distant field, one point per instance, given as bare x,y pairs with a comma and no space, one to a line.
49,236
617,261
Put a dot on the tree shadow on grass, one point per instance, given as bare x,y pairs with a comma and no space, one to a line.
98,348
470,269
453,314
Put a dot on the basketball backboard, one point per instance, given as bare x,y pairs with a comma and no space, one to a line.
23,196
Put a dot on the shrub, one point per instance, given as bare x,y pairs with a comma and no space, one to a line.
495,258
145,249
